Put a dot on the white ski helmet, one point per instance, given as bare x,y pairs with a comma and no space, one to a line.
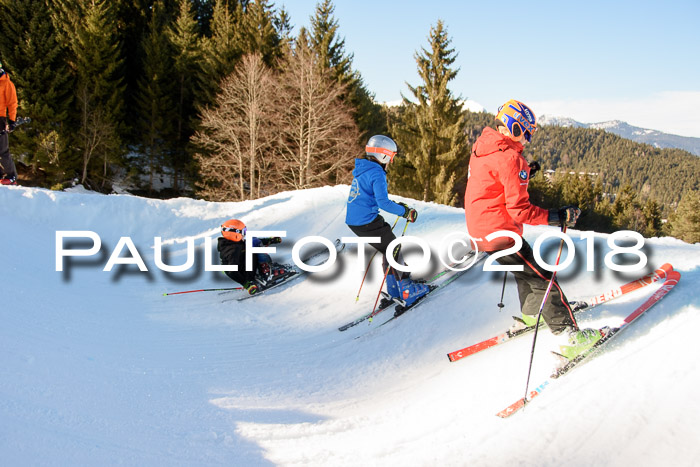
382,148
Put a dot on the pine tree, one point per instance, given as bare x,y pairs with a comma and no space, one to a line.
222,50
283,25
329,48
629,214
541,191
204,11
96,62
259,33
652,216
131,22
188,64
685,222
36,62
155,105
431,132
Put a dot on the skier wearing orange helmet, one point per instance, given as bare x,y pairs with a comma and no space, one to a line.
232,251
496,199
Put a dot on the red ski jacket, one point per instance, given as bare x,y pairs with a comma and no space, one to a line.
496,196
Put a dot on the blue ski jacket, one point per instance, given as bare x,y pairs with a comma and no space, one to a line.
369,193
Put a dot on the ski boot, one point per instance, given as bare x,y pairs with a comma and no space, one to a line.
524,322
408,291
412,291
272,273
392,294
580,340
392,288
8,181
270,270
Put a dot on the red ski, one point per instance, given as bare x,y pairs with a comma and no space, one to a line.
612,294
672,278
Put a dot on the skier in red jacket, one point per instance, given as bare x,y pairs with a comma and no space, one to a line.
497,199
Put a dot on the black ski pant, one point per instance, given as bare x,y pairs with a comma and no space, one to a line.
7,167
380,228
532,284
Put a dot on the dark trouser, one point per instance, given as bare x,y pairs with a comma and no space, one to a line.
379,228
532,283
7,167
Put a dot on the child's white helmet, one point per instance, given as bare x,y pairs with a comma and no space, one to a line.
382,148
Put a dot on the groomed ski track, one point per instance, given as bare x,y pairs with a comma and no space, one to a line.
98,368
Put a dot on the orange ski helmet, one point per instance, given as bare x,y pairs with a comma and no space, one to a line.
233,230
518,118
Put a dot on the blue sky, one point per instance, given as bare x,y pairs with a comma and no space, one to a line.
589,60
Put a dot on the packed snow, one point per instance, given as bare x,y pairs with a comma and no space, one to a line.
100,368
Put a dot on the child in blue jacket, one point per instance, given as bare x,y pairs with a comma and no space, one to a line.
368,194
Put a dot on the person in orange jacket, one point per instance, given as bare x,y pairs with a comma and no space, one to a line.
496,199
8,115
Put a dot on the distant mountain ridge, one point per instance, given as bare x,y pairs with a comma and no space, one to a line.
654,138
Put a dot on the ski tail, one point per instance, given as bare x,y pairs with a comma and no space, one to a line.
631,286
672,278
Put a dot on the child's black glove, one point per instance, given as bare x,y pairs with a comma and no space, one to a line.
409,213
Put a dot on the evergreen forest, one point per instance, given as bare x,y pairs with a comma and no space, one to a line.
219,100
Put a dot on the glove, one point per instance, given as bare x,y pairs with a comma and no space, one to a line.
409,213
534,168
10,125
273,240
568,215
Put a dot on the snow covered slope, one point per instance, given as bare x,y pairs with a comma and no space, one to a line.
99,368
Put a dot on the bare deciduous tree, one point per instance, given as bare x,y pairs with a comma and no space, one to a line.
318,139
236,135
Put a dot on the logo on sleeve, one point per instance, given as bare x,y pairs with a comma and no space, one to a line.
354,191
522,175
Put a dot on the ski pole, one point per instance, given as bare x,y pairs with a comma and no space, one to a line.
374,310
396,250
201,290
357,298
503,290
539,314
